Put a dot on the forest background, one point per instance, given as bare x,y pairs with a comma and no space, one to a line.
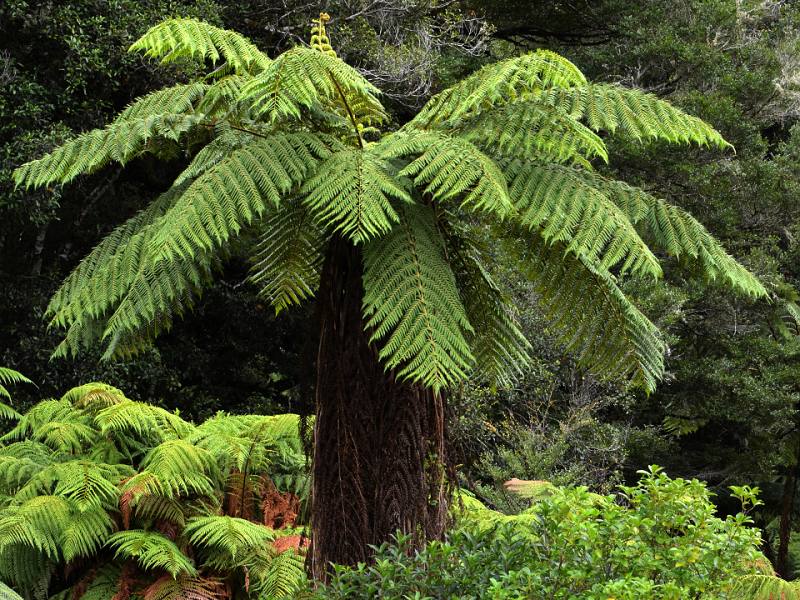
726,413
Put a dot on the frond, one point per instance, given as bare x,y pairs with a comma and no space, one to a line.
595,320
176,39
230,535
104,584
39,415
564,207
36,524
534,132
142,419
498,84
181,467
87,485
6,593
85,533
632,113
119,142
94,396
450,168
288,257
351,193
152,551
9,377
284,576
412,305
226,140
176,99
303,77
679,234
20,461
185,588
235,191
500,348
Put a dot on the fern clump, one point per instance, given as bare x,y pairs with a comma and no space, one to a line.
288,149
102,496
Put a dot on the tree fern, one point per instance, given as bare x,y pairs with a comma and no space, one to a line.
176,39
229,535
765,587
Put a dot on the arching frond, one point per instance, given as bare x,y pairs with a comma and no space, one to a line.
412,305
94,396
765,587
230,535
152,551
118,142
450,168
175,99
500,348
537,132
37,524
498,84
143,419
351,193
181,467
303,77
86,484
631,112
288,257
85,532
283,578
175,39
563,206
235,191
6,593
596,321
10,377
676,232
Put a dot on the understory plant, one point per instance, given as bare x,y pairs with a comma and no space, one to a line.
659,539
103,497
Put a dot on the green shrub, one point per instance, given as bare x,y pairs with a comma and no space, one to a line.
102,497
657,540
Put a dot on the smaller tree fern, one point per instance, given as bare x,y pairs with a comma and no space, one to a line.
103,497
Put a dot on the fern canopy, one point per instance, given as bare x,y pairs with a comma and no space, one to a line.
286,152
133,497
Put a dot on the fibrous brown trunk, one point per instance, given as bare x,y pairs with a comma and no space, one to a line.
378,443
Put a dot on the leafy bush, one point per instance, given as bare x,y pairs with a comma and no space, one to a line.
103,497
659,539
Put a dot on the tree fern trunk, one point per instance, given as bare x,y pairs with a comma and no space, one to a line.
378,443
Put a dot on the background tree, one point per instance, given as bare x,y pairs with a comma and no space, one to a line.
390,229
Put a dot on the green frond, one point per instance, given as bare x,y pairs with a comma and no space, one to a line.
94,396
66,436
631,112
451,169
288,257
103,585
119,142
534,132
20,461
230,535
37,524
39,415
679,234
235,191
498,84
222,98
226,140
152,551
564,207
176,99
351,193
765,587
303,77
6,593
284,577
9,377
176,39
595,320
500,348
85,533
27,569
86,484
142,419
411,303
181,467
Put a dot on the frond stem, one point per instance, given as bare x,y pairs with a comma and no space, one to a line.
349,111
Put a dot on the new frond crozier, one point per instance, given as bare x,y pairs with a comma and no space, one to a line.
279,148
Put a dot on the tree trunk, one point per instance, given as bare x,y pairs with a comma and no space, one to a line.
378,443
787,509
